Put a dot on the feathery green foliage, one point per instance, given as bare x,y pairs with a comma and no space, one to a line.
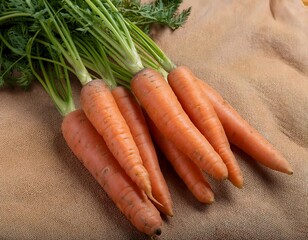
162,12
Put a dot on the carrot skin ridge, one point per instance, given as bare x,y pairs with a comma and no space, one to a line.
157,98
186,169
133,115
200,110
102,111
90,148
243,135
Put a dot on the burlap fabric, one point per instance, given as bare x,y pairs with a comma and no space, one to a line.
255,53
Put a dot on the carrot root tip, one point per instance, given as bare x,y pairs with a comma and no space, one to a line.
151,197
222,178
239,186
239,183
290,171
158,232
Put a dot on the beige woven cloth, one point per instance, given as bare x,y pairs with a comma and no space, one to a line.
255,53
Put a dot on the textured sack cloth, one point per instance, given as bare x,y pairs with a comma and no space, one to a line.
255,53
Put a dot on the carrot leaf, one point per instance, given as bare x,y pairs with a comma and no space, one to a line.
162,12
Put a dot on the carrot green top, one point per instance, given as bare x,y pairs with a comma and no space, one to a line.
90,34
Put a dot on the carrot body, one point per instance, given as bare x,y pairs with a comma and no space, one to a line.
90,148
162,106
243,135
134,117
187,170
201,112
101,109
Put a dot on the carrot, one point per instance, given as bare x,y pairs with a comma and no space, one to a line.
102,111
90,148
201,112
133,115
243,135
187,170
162,106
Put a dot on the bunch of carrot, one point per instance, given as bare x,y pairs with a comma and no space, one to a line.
132,92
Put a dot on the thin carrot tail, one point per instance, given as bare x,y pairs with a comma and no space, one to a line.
235,175
151,197
243,135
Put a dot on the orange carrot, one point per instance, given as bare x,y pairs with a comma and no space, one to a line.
102,111
243,135
90,148
133,115
201,112
162,106
187,170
